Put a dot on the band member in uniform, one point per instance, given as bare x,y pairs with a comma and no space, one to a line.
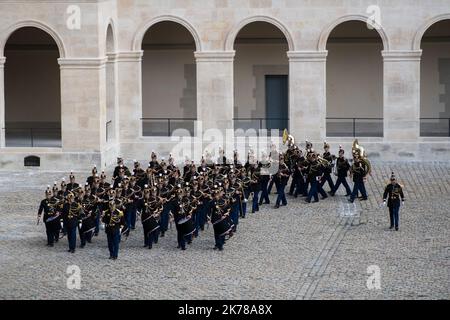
328,167
113,219
120,166
103,183
255,184
51,216
191,174
154,164
265,165
101,194
342,168
179,215
290,159
151,208
232,196
300,168
359,172
393,193
90,180
89,216
138,173
281,179
71,212
130,204
274,156
166,191
118,180
314,177
219,213
72,185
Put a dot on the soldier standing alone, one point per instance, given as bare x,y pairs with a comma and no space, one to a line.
393,193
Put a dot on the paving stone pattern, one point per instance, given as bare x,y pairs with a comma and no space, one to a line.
302,251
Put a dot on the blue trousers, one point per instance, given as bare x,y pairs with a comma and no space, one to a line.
269,188
358,186
165,217
327,178
52,233
131,217
181,239
97,222
85,236
220,241
264,192
234,215
255,205
113,242
151,238
72,237
342,180
394,214
202,214
321,191
313,191
196,217
300,186
281,194
292,186
244,203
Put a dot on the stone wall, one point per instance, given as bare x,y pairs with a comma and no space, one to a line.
214,26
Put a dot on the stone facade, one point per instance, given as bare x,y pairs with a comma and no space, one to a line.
214,25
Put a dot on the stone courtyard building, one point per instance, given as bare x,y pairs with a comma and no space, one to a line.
82,82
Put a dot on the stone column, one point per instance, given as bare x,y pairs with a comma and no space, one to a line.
83,104
129,93
2,102
215,94
401,111
111,96
307,95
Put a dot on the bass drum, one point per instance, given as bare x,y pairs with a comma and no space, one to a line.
223,226
186,226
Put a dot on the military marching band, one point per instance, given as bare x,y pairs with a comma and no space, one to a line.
217,193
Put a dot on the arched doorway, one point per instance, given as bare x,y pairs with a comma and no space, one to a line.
354,81
261,78
32,90
169,80
435,81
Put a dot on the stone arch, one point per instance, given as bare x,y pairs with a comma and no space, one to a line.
229,42
421,31
139,36
36,24
322,45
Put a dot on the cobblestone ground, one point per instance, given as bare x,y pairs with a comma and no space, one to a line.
303,251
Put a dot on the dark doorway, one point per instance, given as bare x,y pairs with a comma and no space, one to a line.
277,101
32,90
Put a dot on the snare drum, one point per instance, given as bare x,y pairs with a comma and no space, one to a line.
222,226
186,226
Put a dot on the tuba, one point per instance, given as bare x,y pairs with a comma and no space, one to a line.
324,162
288,138
359,152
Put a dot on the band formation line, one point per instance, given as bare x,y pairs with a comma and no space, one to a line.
214,193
